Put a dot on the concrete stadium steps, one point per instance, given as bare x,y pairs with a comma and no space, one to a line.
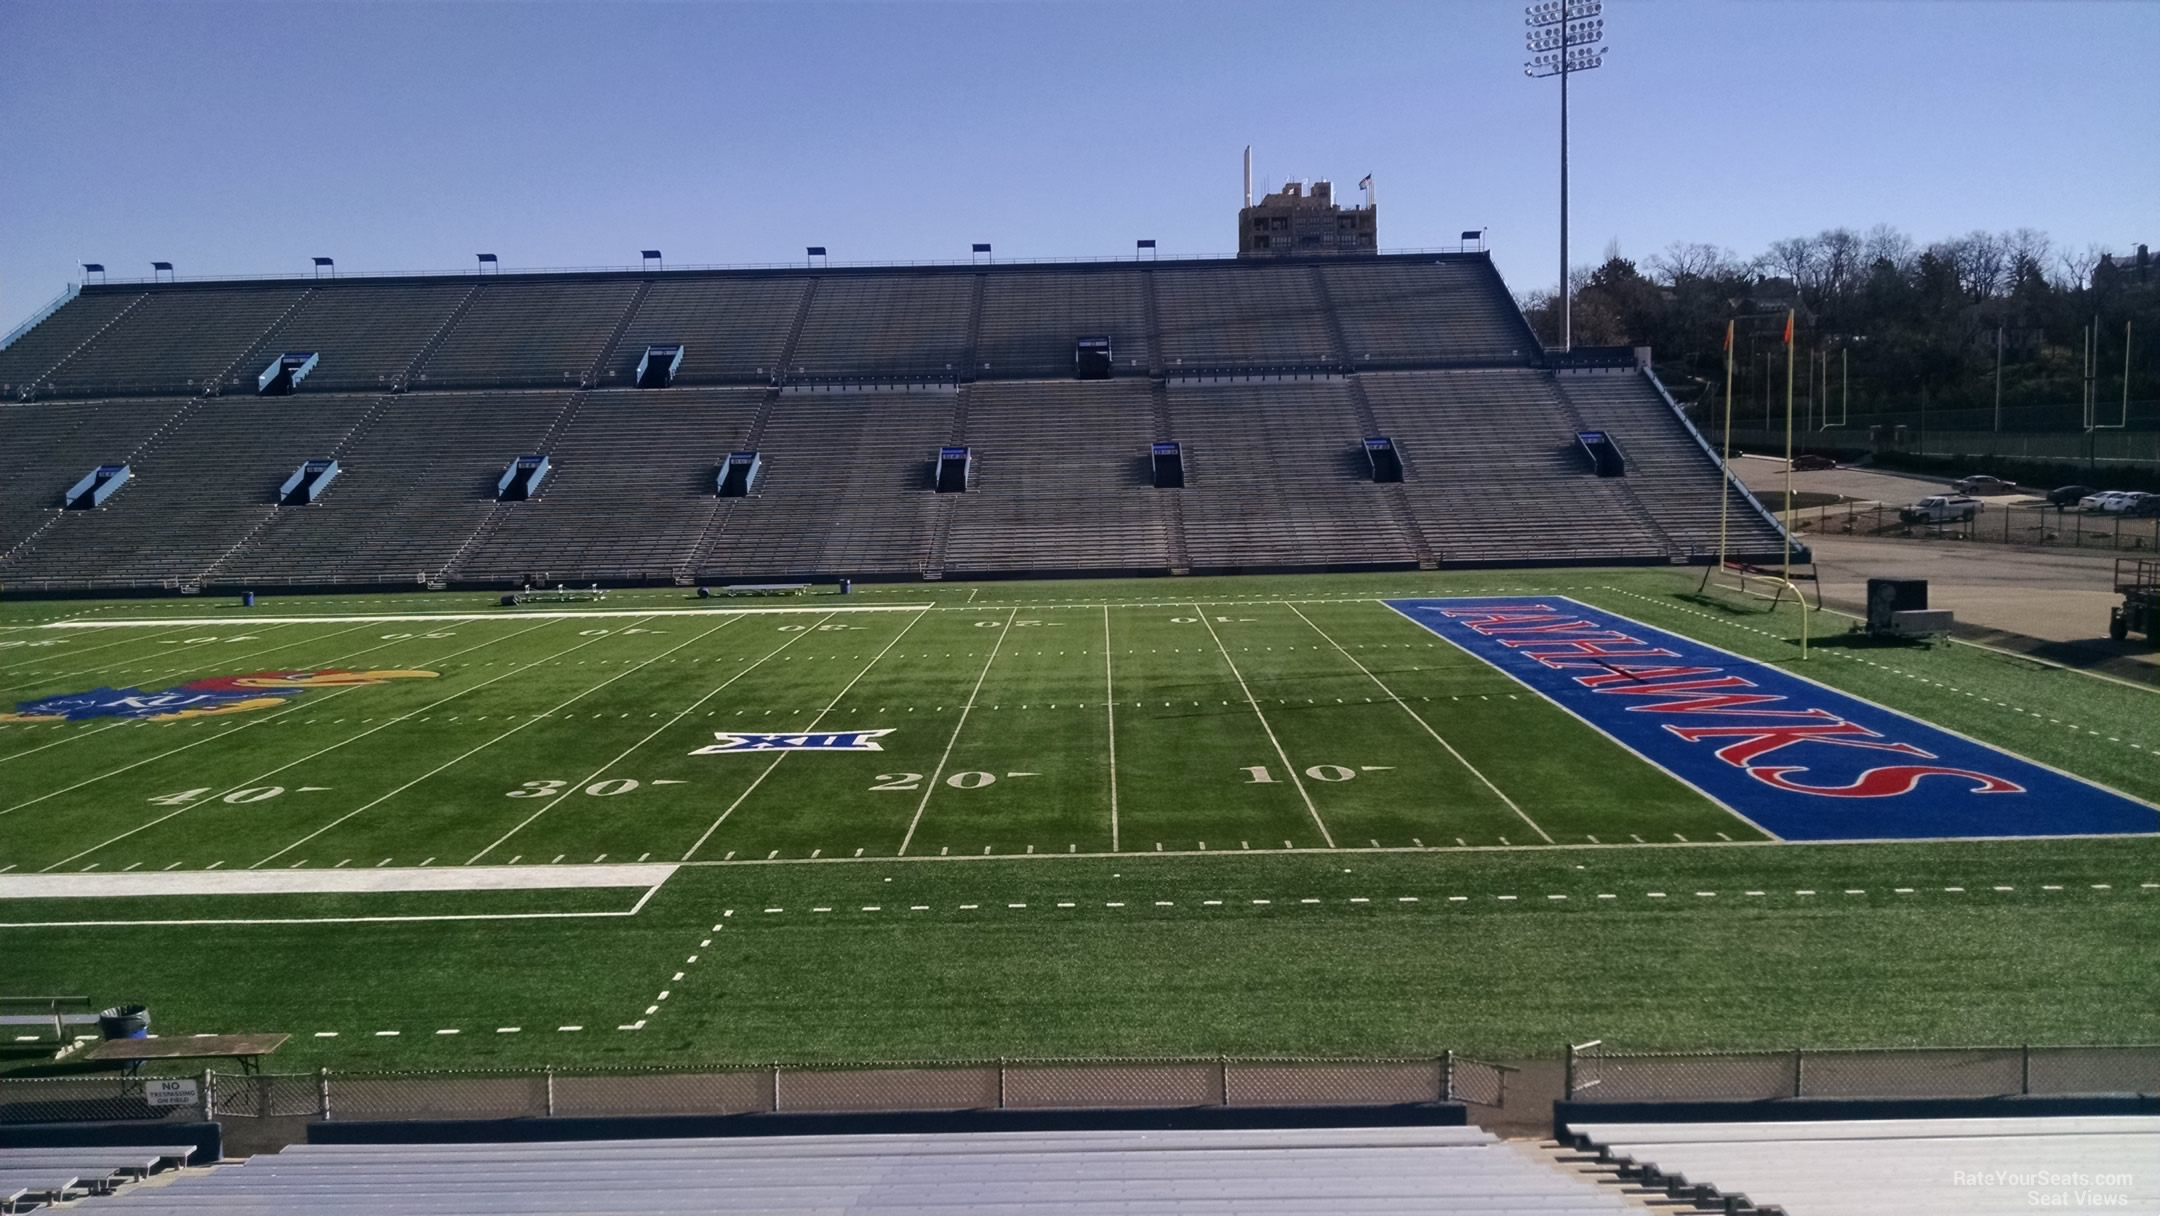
628,455
1675,479
1241,317
174,341
900,326
45,448
26,360
193,494
1272,478
1030,320
732,330
417,484
1062,480
1395,314
846,488
1493,473
527,333
367,334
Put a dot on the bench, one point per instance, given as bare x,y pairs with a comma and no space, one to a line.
766,589
57,1012
141,1161
247,1049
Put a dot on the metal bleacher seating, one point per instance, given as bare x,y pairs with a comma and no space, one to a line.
196,488
846,381
1134,1173
885,326
525,333
1271,479
49,343
45,447
1061,481
420,482
1954,1167
731,330
1030,321
1398,315
1676,479
41,1177
649,456
1241,317
369,334
846,489
174,341
1493,473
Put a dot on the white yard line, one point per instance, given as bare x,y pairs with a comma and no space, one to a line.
1420,720
1110,707
212,799
454,761
597,773
930,786
154,661
273,715
1284,756
760,778
69,655
68,738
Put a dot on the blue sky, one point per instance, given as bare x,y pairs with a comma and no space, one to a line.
234,138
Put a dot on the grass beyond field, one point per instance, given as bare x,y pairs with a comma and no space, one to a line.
1032,862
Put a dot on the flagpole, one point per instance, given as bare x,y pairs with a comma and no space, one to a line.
1788,443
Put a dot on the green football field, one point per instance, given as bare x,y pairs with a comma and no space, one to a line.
1256,815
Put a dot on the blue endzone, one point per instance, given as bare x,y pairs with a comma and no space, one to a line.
1801,761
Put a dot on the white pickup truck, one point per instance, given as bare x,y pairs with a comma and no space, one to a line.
1941,509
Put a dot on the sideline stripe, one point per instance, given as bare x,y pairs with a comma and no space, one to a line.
155,883
1420,720
149,659
597,773
394,618
930,786
1249,700
760,778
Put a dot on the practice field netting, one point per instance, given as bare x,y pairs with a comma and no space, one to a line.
1068,720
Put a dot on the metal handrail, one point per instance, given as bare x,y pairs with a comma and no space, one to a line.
70,292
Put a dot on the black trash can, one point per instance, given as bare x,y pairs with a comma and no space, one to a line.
847,586
124,1022
247,599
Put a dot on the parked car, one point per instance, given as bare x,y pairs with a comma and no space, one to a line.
2097,500
1941,509
1981,483
2142,505
2068,496
1809,462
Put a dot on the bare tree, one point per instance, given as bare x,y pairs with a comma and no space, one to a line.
1886,244
1683,260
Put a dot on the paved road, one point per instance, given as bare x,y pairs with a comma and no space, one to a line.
2047,602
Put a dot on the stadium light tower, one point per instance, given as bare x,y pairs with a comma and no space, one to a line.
1562,39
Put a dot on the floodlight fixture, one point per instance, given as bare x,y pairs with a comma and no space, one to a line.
1563,38
320,263
93,268
481,262
158,268
813,254
649,255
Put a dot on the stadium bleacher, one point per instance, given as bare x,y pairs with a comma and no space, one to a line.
1841,1167
847,381
1136,1173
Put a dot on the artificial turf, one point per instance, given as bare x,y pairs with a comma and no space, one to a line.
1895,943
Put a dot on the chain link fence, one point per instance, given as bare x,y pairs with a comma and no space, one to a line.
887,1087
1597,1075
2058,527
